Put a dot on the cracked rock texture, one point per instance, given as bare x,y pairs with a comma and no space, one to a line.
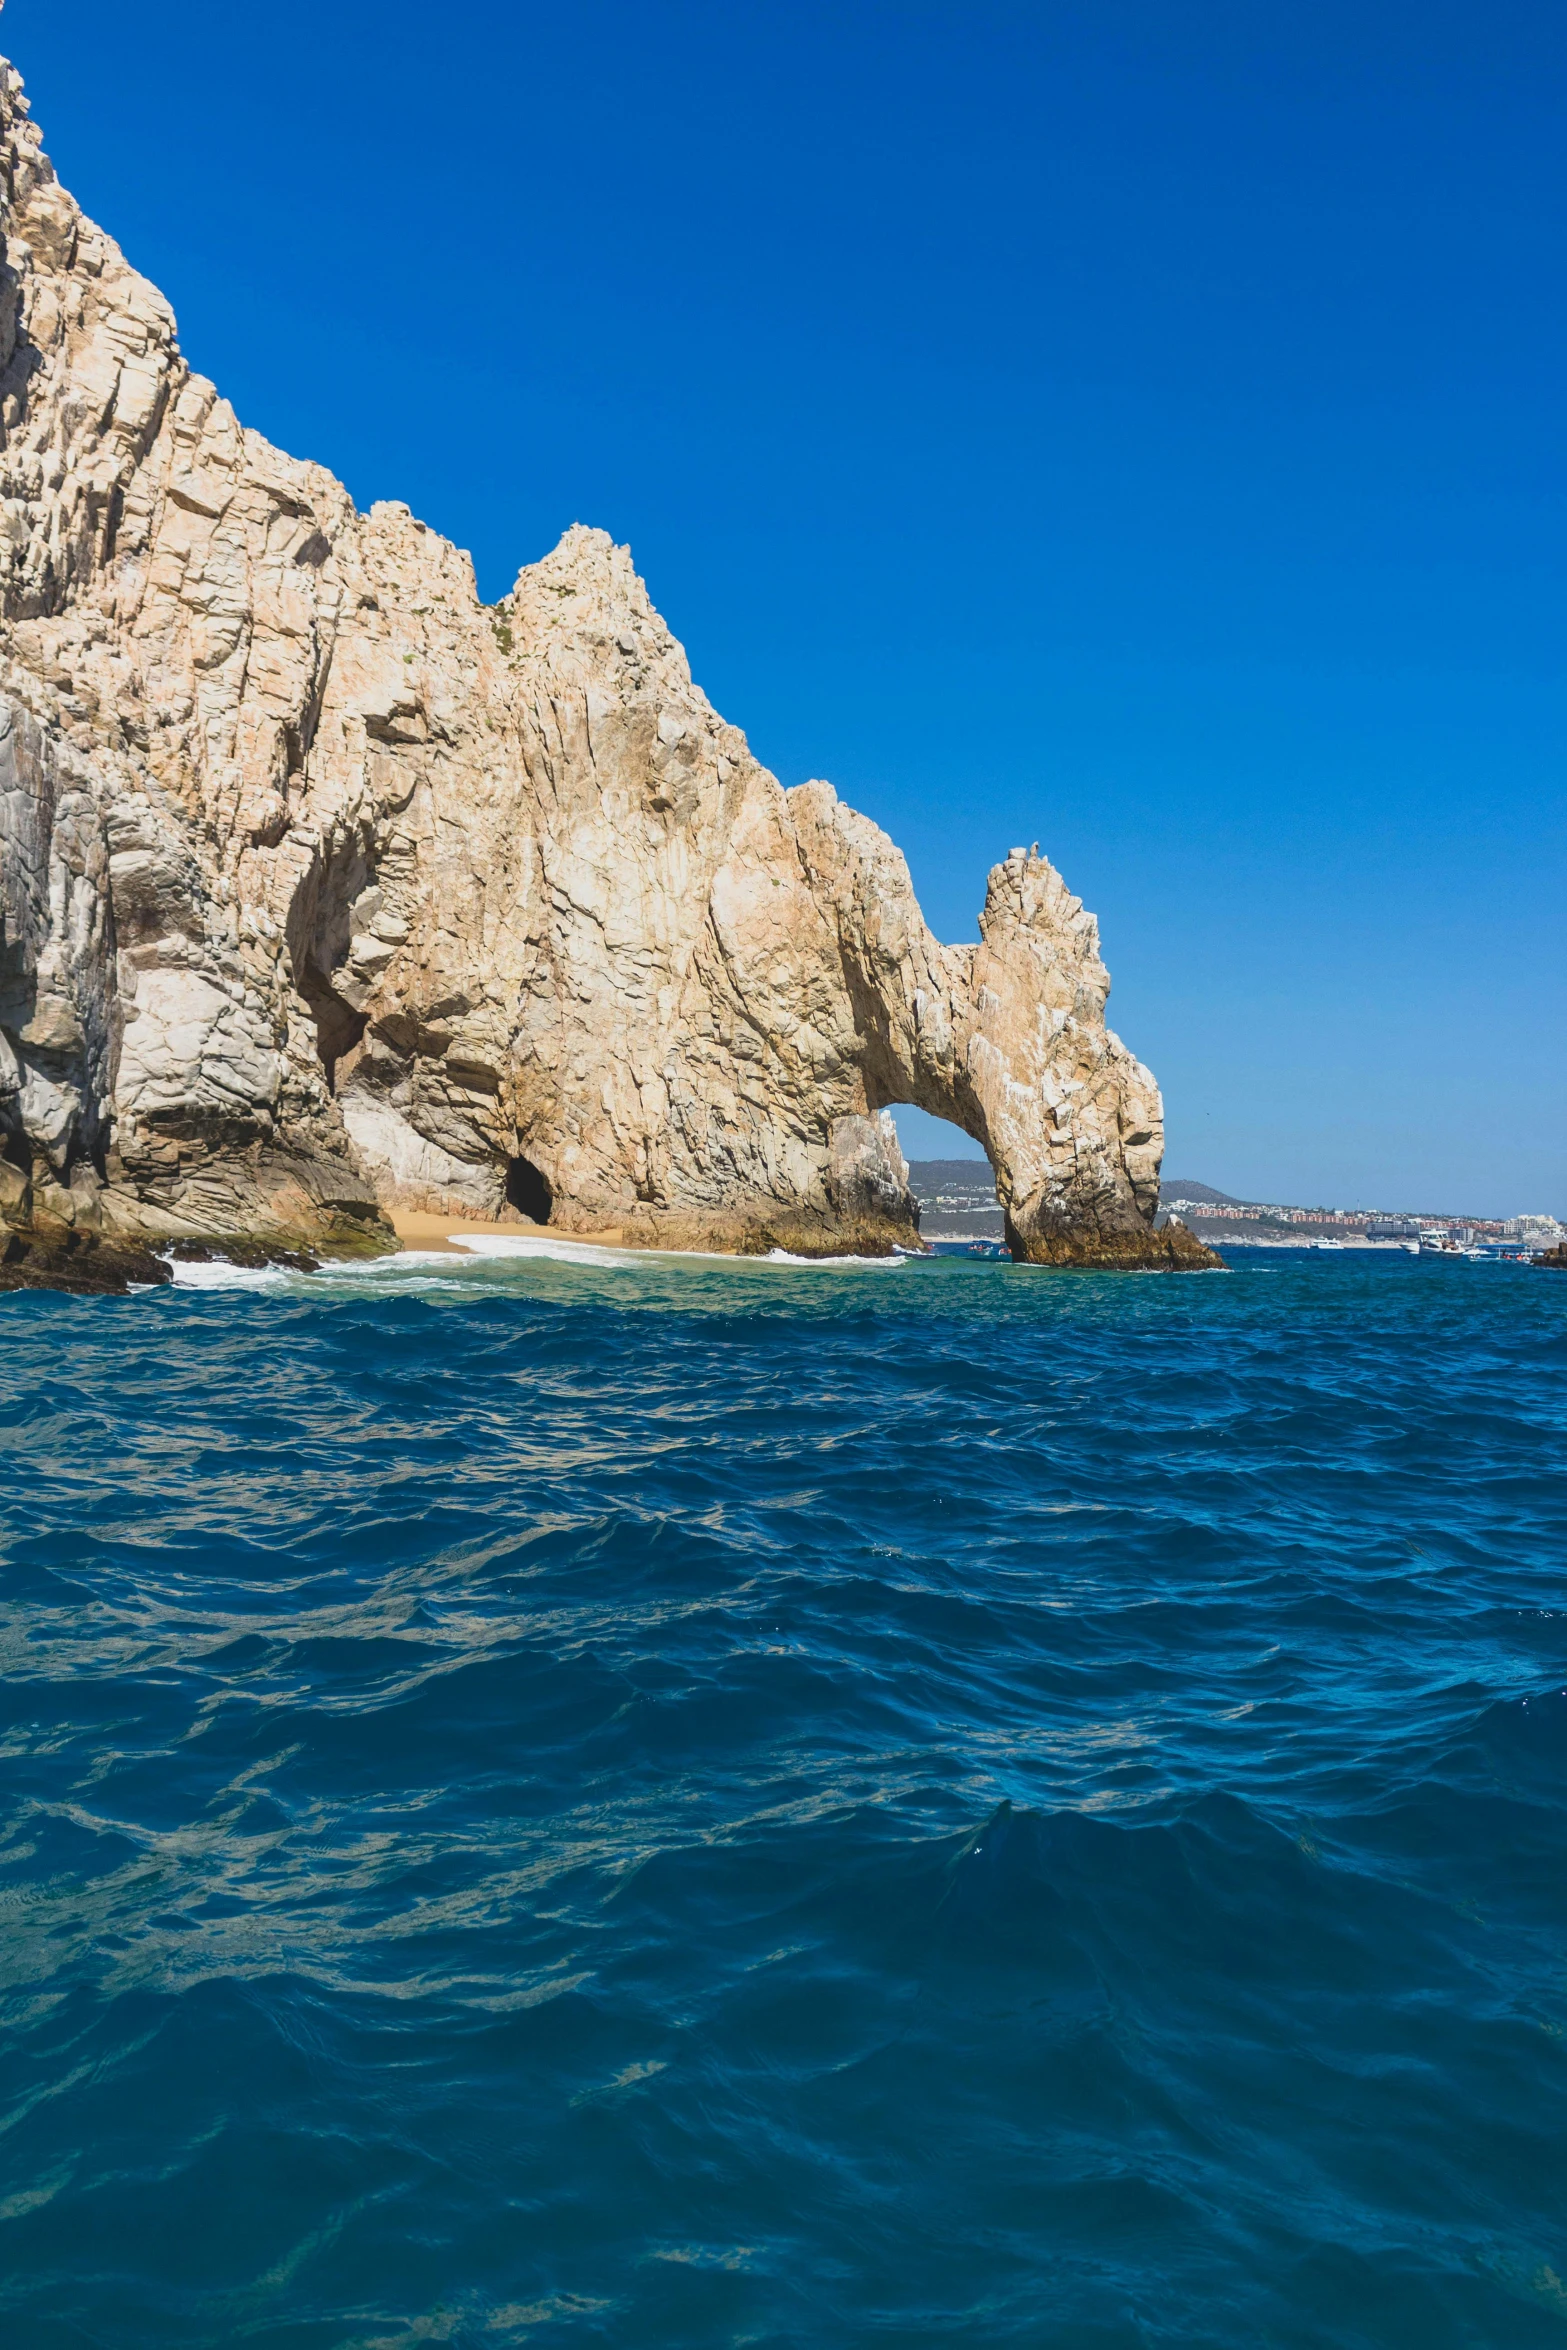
326,889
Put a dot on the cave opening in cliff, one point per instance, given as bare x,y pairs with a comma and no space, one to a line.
528,1191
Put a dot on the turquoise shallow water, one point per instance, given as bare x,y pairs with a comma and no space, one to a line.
505,1832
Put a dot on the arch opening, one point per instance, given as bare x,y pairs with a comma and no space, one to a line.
529,1191
952,1180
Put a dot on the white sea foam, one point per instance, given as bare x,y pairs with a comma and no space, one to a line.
781,1256
565,1252
397,1262
218,1275
587,1252
434,1264
431,1264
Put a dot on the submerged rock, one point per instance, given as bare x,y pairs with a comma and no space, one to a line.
64,1259
326,890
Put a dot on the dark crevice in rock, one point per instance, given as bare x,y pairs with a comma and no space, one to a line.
338,1026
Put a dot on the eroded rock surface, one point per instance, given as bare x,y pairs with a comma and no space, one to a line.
327,889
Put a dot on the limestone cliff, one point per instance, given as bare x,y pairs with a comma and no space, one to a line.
328,889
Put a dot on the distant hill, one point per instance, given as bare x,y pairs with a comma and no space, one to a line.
969,1183
957,1198
971,1180
930,1175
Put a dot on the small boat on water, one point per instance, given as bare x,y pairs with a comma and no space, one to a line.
1338,1244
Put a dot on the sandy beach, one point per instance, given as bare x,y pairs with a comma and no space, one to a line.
419,1228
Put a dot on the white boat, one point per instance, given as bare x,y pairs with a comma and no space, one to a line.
1326,1244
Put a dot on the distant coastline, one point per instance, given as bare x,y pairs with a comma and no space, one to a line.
957,1201
1215,1216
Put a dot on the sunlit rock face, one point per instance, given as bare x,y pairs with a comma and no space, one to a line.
328,889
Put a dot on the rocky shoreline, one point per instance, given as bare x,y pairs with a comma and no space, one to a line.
77,1262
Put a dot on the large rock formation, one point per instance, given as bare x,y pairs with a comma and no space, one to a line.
327,888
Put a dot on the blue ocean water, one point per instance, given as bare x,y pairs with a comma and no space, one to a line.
653,1804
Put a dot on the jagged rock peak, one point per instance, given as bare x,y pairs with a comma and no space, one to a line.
327,890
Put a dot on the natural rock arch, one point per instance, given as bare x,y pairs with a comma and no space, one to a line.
409,893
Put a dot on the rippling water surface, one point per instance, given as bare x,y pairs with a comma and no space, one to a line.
657,1804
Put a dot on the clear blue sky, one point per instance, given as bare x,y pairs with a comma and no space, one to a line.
1134,427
